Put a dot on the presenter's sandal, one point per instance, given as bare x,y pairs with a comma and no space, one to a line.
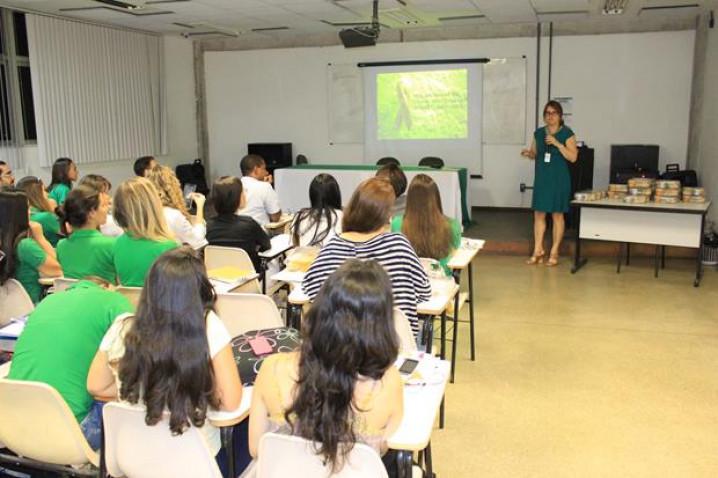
535,259
552,260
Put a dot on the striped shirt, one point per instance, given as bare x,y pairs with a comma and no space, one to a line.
410,284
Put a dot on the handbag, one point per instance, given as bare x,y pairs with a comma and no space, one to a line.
280,339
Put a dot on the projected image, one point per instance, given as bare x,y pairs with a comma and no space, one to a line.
422,105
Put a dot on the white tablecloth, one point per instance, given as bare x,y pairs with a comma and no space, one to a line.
292,185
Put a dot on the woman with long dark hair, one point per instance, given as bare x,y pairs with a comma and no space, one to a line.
174,354
25,253
317,224
42,210
340,388
431,233
553,146
64,173
86,252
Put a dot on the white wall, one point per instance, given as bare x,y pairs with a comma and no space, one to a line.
708,148
181,121
627,88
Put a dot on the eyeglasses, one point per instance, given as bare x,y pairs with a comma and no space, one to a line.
551,113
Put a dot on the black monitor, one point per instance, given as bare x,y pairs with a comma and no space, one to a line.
633,158
276,155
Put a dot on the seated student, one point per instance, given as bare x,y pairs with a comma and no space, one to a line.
25,254
64,172
86,252
431,233
138,211
41,210
336,395
6,177
60,340
193,370
103,186
187,230
316,225
230,230
262,200
366,236
397,178
144,164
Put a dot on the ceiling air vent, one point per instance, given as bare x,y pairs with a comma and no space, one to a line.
614,7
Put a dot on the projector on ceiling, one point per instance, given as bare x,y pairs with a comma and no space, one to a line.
358,36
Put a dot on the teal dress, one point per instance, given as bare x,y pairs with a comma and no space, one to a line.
552,182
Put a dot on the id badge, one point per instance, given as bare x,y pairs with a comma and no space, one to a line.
547,157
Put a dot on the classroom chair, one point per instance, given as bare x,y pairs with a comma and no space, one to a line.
37,425
15,302
242,313
137,450
132,293
431,162
301,159
60,284
300,460
216,257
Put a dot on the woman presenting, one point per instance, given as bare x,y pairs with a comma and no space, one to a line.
553,145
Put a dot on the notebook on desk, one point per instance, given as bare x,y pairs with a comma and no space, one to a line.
227,278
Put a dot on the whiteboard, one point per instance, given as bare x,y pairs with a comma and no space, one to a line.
505,101
346,104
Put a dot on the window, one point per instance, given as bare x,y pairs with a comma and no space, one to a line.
17,111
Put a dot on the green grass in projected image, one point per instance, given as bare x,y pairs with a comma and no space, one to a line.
422,105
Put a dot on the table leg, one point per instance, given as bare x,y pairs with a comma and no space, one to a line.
403,462
699,258
663,257
294,316
227,436
455,335
428,466
263,274
471,312
620,258
578,261
656,261
443,335
441,413
628,253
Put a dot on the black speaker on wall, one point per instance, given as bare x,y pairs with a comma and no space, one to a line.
276,155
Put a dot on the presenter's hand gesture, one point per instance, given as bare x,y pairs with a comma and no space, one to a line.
527,153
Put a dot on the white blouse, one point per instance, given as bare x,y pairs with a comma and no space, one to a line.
307,229
184,231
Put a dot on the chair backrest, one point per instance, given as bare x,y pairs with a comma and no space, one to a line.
132,293
35,422
388,160
432,162
301,159
137,450
241,313
62,283
219,256
407,343
15,301
300,460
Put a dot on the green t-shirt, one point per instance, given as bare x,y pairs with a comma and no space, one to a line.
455,226
30,257
49,222
61,339
87,253
134,257
59,192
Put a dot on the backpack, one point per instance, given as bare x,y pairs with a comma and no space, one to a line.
193,173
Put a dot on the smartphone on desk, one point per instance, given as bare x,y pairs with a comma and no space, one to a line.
408,366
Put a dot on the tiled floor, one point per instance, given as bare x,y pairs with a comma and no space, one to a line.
587,375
